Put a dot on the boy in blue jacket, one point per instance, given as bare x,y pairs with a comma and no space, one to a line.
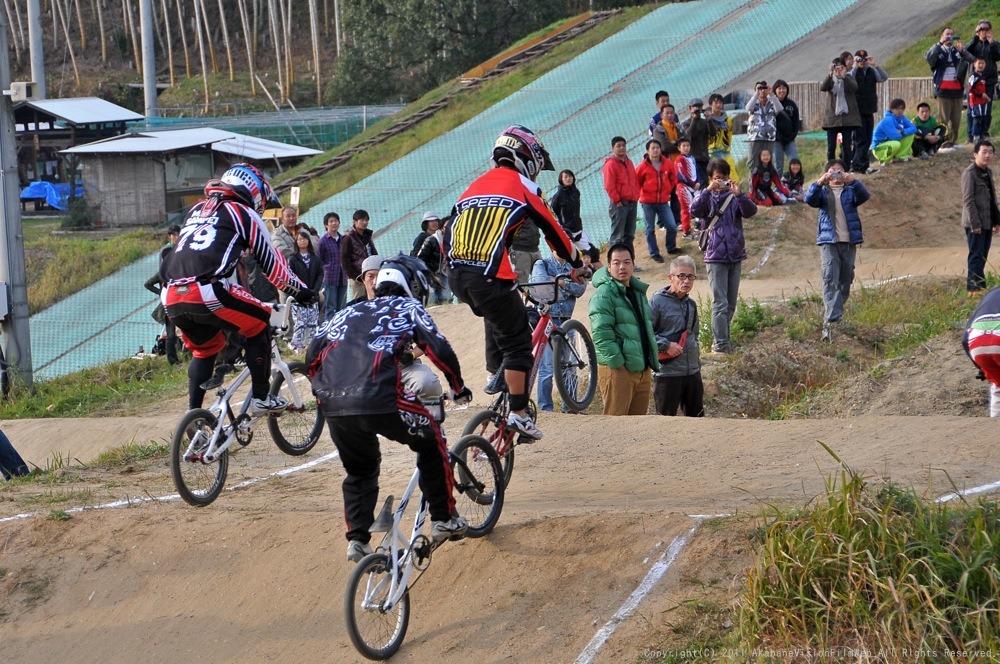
837,195
893,137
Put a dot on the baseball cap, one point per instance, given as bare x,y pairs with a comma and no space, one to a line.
861,54
696,102
370,263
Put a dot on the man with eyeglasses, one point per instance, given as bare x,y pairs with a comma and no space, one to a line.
677,383
984,46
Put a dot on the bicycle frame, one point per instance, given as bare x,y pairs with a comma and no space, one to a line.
222,407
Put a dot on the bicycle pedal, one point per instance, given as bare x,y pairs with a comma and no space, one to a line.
524,440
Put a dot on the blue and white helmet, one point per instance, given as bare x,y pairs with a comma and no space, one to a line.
247,183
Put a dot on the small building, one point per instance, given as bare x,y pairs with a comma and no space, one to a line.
45,127
153,178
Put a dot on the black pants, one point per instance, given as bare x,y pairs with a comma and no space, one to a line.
979,251
862,143
687,392
847,151
356,439
505,321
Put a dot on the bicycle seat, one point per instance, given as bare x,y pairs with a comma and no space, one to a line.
383,523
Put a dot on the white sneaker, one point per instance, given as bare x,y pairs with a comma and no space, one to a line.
525,426
356,550
453,528
271,404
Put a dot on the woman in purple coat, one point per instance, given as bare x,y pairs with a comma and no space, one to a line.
721,208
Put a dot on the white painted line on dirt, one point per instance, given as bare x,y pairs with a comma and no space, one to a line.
969,492
125,502
771,246
653,576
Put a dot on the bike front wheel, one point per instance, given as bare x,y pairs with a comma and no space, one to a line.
199,482
479,483
297,430
574,365
490,425
375,632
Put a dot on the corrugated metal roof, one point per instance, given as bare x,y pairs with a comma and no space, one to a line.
84,110
167,141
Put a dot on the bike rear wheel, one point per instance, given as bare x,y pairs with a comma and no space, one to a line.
199,483
479,483
295,431
377,634
490,425
574,368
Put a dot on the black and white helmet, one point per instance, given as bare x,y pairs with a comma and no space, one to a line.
519,147
407,272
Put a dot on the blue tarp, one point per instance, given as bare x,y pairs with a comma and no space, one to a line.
55,194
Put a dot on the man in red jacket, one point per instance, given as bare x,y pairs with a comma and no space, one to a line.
657,178
623,190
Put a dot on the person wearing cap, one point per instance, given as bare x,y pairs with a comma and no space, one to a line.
982,45
698,131
949,61
355,248
369,273
427,247
868,75
762,129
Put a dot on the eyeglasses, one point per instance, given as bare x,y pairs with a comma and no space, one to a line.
685,277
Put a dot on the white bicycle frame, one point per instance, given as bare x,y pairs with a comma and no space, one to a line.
401,552
280,317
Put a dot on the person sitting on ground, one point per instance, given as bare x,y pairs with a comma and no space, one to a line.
355,363
687,184
766,187
794,179
837,196
547,270
565,204
657,179
677,382
982,344
623,335
930,135
201,295
893,137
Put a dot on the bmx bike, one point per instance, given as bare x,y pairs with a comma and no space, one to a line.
377,599
204,438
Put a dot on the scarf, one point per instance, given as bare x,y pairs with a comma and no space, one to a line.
670,128
838,93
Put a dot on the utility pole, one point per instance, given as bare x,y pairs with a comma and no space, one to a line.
36,54
16,335
148,56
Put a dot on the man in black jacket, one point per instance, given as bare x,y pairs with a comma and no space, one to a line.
868,75
984,46
355,363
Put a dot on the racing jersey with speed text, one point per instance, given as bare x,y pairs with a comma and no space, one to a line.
488,216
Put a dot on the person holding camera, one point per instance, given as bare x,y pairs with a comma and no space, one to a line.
841,116
697,129
721,208
868,75
837,195
982,45
948,61
762,128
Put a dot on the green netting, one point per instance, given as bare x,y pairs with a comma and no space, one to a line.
690,49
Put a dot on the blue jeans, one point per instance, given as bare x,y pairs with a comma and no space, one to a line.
661,211
782,150
11,463
545,372
336,298
724,284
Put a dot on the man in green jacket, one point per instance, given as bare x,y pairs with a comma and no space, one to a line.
620,322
